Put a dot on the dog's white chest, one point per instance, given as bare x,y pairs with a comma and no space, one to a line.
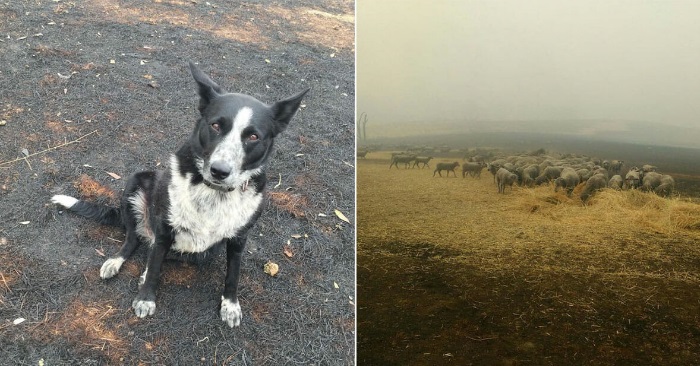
201,216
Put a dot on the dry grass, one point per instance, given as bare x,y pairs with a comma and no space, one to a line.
523,268
88,325
91,189
293,203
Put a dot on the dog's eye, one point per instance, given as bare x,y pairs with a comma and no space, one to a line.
216,127
253,137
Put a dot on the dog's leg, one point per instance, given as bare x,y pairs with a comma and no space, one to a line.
145,302
112,265
230,308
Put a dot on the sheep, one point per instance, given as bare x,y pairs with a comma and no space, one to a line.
422,159
615,182
646,168
401,158
568,180
583,174
616,166
362,153
633,178
503,178
473,169
661,184
450,167
529,174
666,187
493,168
593,184
549,173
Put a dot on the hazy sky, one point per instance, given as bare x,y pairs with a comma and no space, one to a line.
423,60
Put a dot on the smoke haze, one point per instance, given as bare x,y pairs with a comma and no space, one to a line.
596,66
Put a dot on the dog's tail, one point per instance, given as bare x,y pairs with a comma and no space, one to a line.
103,214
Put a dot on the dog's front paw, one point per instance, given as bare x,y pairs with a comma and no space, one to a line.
230,312
143,308
111,267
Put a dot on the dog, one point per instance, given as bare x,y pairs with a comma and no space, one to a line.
211,195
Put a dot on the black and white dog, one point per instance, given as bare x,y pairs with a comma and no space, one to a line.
211,195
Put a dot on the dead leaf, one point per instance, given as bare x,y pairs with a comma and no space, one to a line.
335,285
296,236
341,216
99,252
24,223
288,251
115,176
271,268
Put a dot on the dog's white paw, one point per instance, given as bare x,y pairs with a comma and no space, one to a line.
63,200
230,312
143,308
111,267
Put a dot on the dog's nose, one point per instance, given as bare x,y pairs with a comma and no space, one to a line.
220,170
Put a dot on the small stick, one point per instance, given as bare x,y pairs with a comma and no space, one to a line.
47,150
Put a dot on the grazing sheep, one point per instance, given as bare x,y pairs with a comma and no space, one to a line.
529,174
450,167
505,178
584,174
616,166
633,178
422,159
361,153
666,187
615,182
548,174
568,180
405,159
662,184
473,169
601,170
593,184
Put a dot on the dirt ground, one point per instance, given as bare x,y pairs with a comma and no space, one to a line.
94,91
451,272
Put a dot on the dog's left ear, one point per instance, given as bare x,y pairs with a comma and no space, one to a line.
208,89
284,110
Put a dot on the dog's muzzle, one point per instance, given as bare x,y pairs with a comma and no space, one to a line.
221,188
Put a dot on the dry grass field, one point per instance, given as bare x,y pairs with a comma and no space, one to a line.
451,272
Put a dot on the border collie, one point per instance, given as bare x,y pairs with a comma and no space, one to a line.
211,195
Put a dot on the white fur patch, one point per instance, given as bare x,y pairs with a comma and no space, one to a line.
231,312
142,279
63,200
201,216
140,210
230,151
143,308
111,267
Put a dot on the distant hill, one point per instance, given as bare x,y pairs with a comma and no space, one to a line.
637,132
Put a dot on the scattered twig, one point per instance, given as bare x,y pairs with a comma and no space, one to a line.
47,150
280,181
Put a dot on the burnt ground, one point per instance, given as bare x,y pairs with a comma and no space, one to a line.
94,91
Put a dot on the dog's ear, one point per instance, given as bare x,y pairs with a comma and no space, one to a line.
284,110
208,89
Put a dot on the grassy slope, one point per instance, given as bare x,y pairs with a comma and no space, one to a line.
531,275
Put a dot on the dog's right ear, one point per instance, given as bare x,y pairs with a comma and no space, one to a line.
208,89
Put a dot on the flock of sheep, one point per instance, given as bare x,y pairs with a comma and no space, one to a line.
565,172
